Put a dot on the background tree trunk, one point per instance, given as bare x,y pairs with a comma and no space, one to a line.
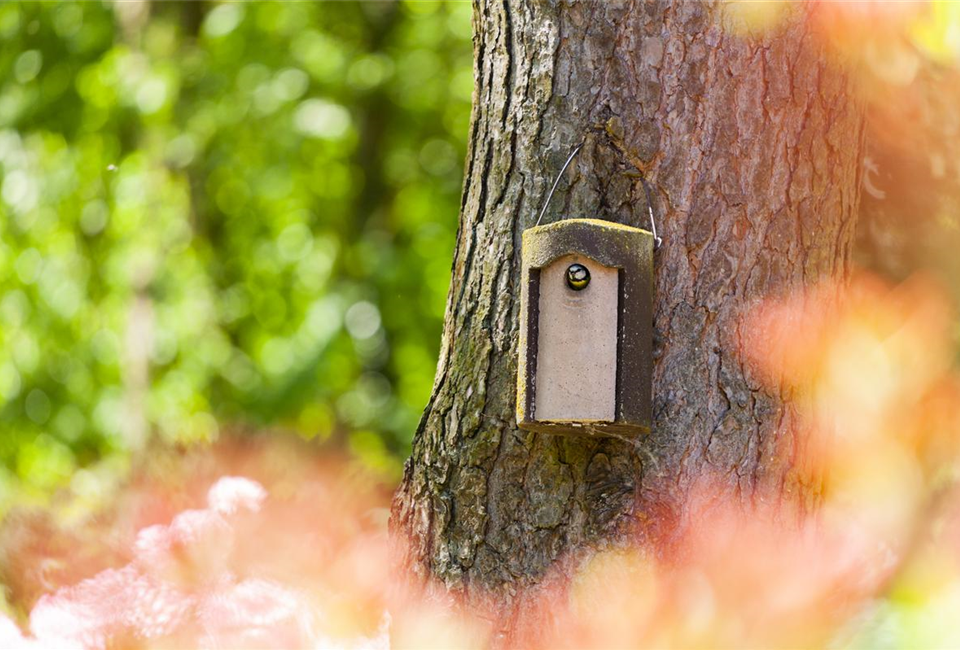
752,150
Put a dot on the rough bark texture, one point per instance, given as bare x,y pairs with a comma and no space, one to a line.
751,147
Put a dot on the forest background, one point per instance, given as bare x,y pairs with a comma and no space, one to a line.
222,218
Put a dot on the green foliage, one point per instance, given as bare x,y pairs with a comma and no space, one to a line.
222,215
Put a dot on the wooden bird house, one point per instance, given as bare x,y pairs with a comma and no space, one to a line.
586,329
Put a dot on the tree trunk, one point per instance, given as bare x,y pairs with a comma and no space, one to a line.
751,148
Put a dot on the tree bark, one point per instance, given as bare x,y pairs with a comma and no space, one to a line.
751,148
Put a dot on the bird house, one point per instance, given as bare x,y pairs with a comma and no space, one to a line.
586,329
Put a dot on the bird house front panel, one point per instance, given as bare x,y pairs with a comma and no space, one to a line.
577,341
586,329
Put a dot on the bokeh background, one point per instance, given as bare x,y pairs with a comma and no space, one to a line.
226,231
218,219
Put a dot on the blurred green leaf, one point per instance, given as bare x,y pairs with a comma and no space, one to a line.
218,215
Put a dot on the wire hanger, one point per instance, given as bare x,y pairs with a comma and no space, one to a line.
646,190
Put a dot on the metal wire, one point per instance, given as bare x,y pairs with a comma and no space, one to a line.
653,224
646,190
553,189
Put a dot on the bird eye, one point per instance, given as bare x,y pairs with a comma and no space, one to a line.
578,277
